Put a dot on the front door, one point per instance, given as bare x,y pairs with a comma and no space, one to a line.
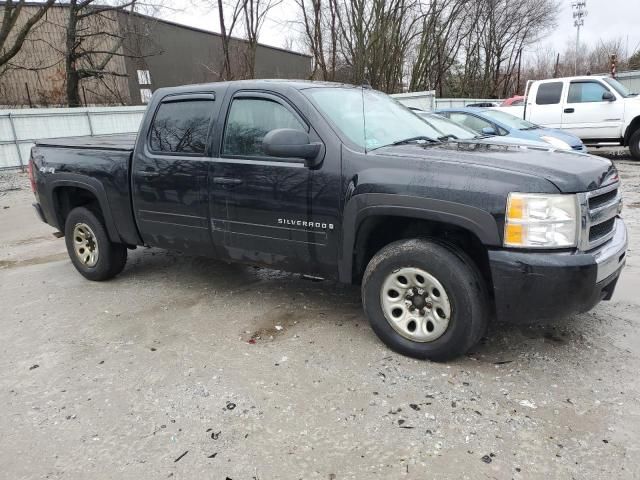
266,210
588,116
170,174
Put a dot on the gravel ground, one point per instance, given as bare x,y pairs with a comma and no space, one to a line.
190,368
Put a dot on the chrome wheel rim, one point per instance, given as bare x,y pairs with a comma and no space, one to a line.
415,304
85,245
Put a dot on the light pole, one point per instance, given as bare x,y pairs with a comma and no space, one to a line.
579,12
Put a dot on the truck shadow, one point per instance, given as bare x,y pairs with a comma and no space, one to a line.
300,301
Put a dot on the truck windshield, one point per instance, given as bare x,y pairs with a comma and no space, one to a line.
618,87
371,119
510,120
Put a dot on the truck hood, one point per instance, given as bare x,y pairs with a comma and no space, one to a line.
570,172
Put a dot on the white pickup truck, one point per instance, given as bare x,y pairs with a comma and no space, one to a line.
598,109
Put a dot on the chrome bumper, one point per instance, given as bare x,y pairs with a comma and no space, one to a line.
611,257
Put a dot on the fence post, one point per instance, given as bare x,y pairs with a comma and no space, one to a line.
15,141
90,124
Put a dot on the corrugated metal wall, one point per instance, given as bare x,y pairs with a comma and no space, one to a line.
631,80
19,128
38,73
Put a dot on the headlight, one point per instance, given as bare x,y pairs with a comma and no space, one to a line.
556,143
541,221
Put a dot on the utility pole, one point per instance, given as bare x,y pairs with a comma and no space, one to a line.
579,12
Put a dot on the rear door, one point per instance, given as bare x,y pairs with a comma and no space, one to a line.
170,173
544,105
587,115
268,210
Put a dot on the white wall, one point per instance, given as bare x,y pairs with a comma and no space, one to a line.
422,100
21,127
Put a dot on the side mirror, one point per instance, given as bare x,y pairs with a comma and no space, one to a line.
608,97
291,143
489,131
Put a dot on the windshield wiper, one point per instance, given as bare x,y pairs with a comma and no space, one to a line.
532,127
448,137
414,139
407,141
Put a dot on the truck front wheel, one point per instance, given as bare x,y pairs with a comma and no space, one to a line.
634,144
425,299
91,251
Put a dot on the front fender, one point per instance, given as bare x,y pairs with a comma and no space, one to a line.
480,222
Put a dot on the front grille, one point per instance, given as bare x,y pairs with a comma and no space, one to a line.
596,232
598,211
601,200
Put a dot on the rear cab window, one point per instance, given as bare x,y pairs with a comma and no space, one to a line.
181,126
549,93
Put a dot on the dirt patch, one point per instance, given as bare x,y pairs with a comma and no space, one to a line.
30,241
271,326
6,264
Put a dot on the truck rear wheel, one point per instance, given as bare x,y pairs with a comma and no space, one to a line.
634,144
425,299
91,251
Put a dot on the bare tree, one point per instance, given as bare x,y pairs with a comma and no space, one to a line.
93,40
255,14
634,61
12,33
319,21
444,30
227,25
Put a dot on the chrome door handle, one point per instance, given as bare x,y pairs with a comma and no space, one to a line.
226,181
148,173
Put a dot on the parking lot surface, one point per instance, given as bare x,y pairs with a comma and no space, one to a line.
191,368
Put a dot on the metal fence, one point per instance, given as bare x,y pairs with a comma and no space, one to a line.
427,101
20,128
423,100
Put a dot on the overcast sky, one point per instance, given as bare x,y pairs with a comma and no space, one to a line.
607,19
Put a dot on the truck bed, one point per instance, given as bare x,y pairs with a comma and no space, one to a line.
121,142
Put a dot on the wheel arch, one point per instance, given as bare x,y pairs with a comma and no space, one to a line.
397,217
68,193
631,129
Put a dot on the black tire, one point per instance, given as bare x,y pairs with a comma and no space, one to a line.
461,280
634,144
112,256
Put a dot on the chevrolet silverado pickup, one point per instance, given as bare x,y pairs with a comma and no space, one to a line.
343,182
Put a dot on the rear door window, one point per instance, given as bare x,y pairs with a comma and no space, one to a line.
181,127
549,93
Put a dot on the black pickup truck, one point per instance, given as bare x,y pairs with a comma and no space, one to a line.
343,182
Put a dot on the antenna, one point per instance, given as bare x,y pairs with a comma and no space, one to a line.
579,12
364,119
